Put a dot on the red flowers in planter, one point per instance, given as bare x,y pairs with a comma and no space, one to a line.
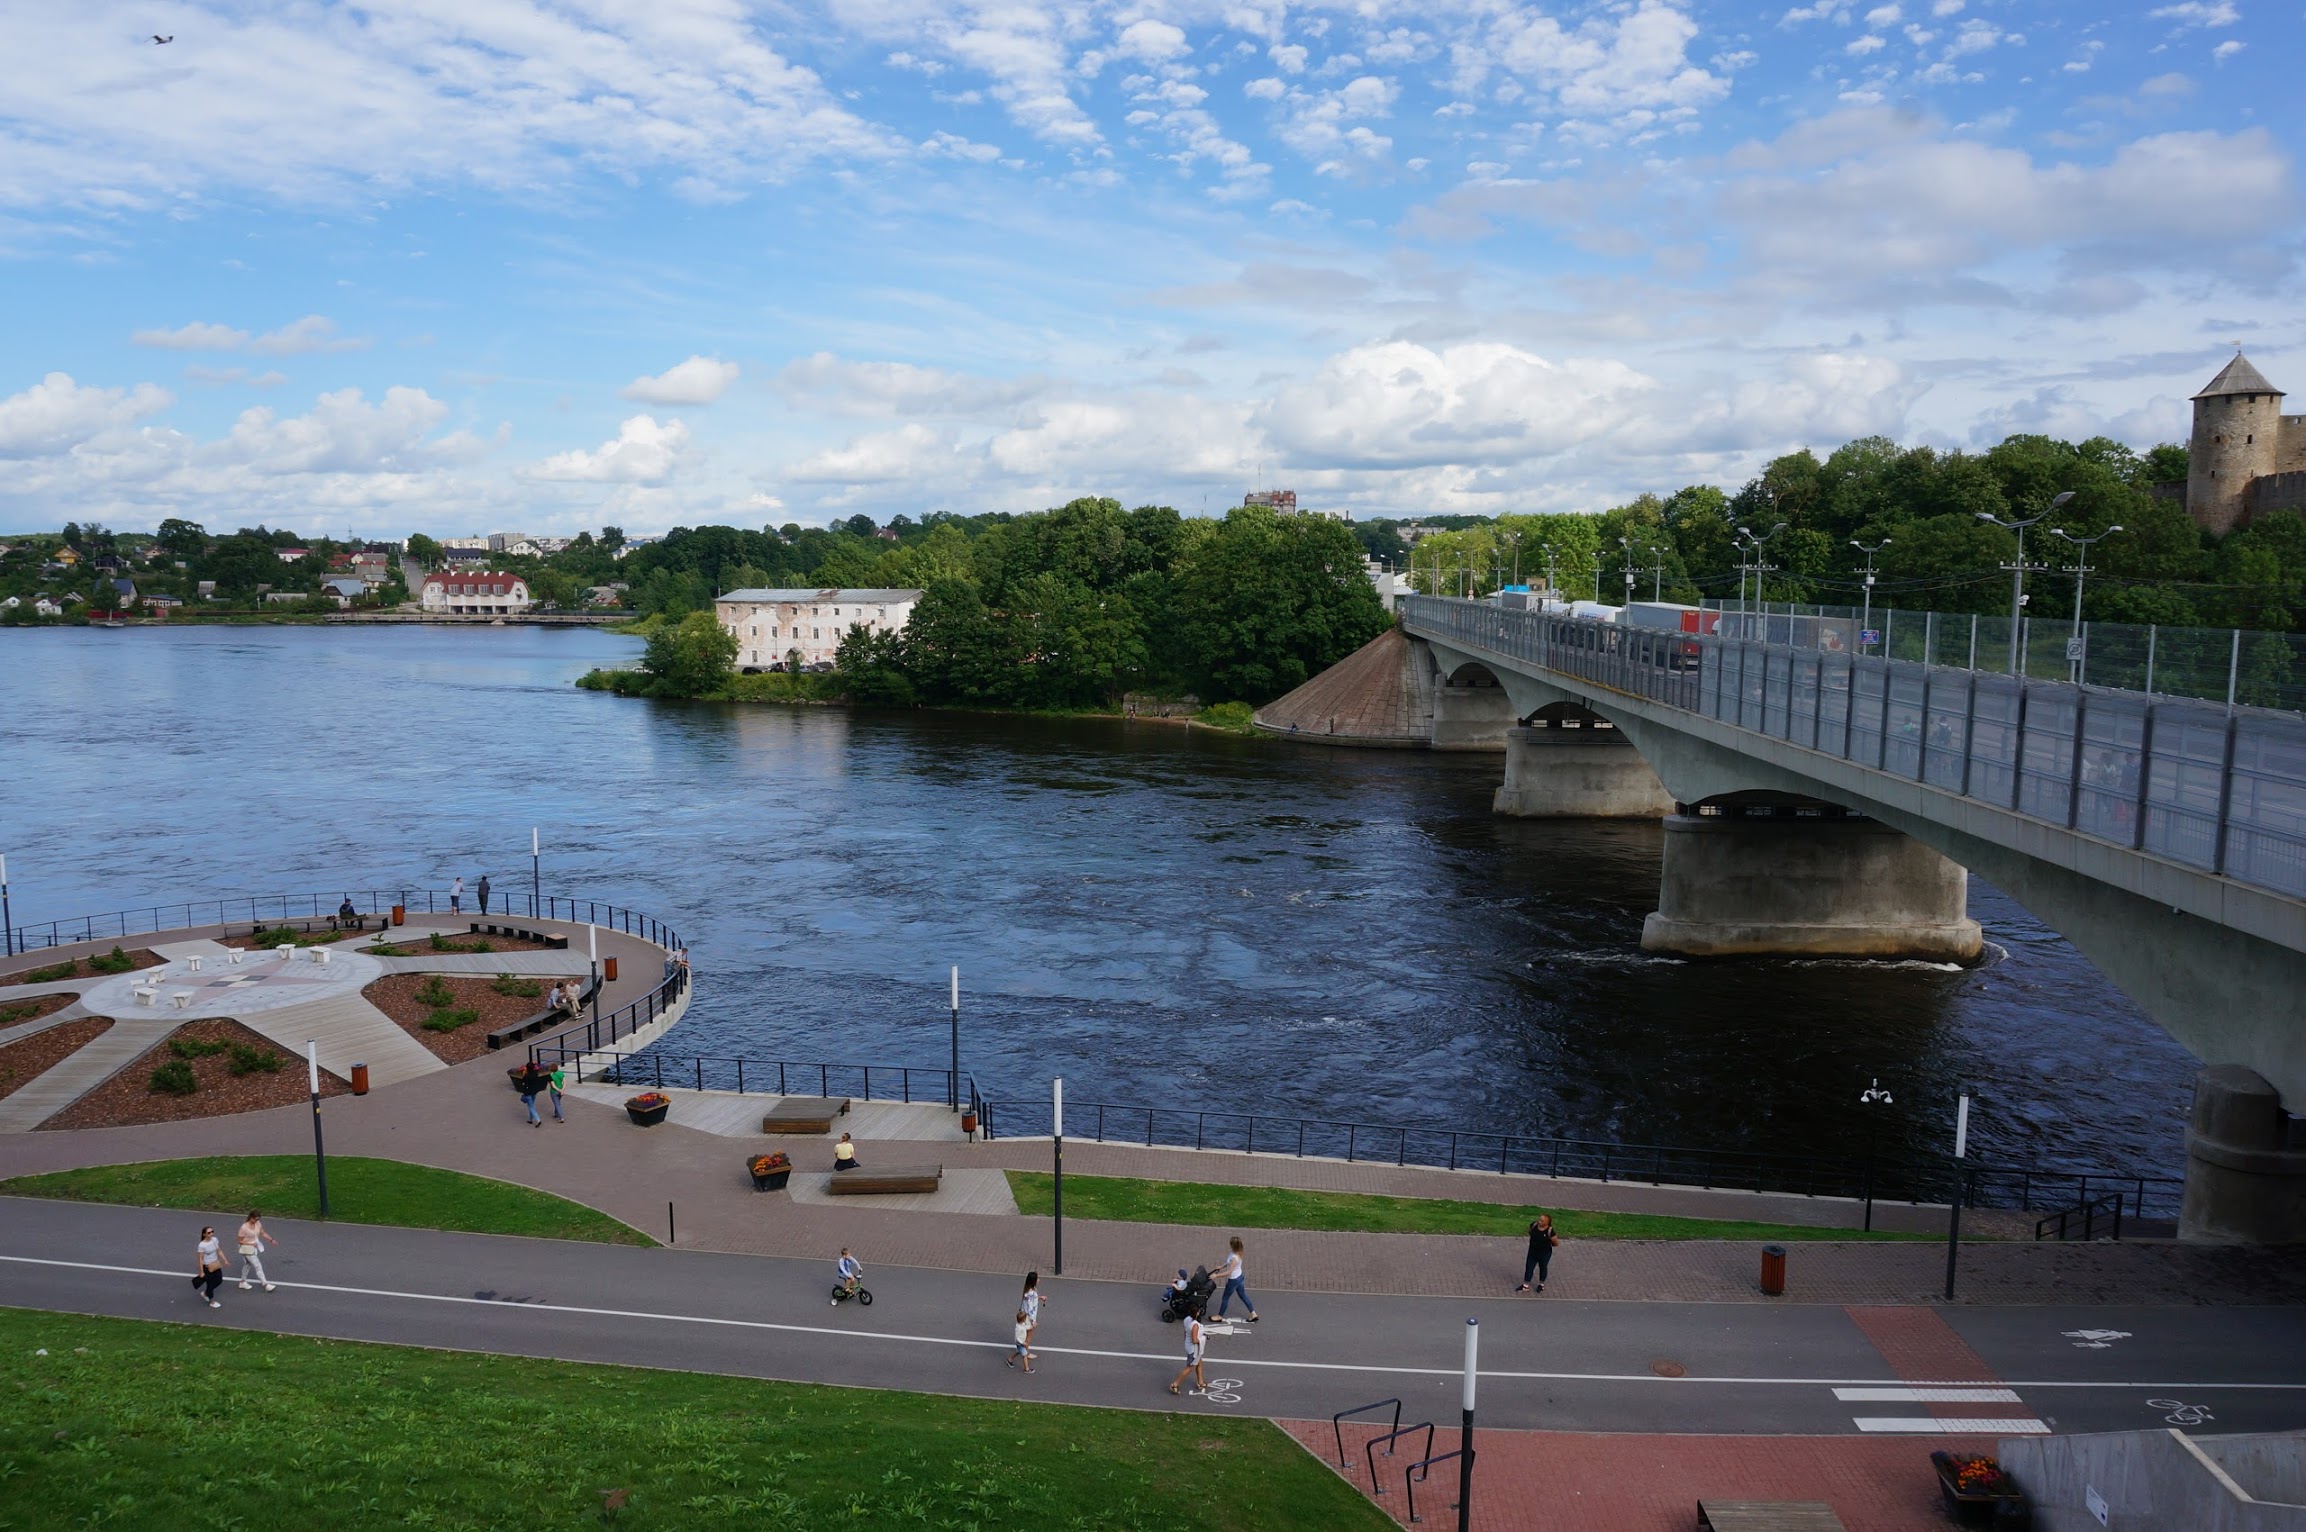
649,1098
772,1162
1979,1476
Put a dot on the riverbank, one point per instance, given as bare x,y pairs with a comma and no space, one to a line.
825,689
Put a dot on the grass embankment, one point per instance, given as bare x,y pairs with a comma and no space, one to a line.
359,1191
1274,1207
769,686
126,1422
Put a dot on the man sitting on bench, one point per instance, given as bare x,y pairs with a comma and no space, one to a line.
844,1154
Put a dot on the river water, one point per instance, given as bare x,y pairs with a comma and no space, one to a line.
1160,915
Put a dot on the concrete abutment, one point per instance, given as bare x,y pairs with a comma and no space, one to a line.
1577,769
1471,712
2245,1178
1806,883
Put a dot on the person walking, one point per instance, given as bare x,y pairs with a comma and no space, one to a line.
1230,1269
1542,1240
208,1266
456,896
554,1082
531,1081
1031,1303
252,1238
482,890
1195,1337
1023,1349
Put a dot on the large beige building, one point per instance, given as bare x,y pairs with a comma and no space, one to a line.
796,629
2247,458
474,592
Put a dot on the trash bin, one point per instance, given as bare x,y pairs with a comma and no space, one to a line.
360,1079
400,914
1774,1270
609,969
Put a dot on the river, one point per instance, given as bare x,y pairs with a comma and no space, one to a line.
1160,915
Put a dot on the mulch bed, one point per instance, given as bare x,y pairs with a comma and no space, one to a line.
247,942
142,957
21,1062
128,1098
16,1014
420,945
396,997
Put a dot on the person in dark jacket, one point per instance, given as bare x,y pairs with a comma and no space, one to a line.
482,890
1542,1240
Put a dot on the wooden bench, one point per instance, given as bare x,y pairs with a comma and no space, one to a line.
513,1032
805,1114
1767,1516
882,1180
557,943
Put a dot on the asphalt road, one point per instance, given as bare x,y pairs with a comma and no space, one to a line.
1747,1368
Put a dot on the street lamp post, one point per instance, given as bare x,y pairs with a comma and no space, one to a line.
1753,561
2018,570
535,877
1657,574
1867,620
1057,1173
1552,585
1954,1214
319,1155
1872,1095
1627,544
2075,654
956,1037
7,920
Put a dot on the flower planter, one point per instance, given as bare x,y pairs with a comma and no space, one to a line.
647,1113
769,1171
1995,1502
774,1181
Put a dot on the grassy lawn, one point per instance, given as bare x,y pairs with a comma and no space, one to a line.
1272,1207
131,1423
359,1191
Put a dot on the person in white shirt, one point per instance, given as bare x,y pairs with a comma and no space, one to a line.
1195,1336
1030,1303
208,1266
1229,1271
252,1239
456,897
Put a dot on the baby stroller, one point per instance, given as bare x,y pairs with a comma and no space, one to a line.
1187,1295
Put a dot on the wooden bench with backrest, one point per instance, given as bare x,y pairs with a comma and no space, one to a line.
1767,1516
513,1032
805,1114
882,1180
557,943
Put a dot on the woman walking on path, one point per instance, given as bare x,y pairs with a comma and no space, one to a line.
1542,1240
208,1266
1031,1303
1235,1281
1194,1337
252,1239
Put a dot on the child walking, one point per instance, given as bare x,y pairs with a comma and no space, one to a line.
1194,1338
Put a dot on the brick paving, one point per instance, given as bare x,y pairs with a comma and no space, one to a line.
1548,1481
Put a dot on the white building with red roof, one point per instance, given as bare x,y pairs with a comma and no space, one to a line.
475,593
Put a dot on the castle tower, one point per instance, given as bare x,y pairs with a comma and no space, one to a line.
2237,432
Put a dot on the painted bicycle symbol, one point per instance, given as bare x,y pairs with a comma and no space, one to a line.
1223,1391
2181,1413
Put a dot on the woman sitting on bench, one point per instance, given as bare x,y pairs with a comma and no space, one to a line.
844,1154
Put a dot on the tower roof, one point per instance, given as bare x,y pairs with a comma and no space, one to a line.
2238,377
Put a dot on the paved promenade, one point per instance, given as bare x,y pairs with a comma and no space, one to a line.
468,1119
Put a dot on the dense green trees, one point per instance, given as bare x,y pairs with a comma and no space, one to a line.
693,657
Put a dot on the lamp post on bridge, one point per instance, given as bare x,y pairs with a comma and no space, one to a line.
1873,1095
1751,562
2075,654
1866,620
2018,569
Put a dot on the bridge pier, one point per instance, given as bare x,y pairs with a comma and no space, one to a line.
1806,881
1471,714
2245,1181
1577,768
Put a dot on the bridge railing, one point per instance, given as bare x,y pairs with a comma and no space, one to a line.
2221,788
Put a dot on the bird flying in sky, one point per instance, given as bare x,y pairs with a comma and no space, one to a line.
157,38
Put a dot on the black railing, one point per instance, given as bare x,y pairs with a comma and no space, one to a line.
256,909
2063,1225
1594,1159
595,1033
658,1069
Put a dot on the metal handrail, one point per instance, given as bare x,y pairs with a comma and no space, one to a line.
234,909
657,1069
2088,1211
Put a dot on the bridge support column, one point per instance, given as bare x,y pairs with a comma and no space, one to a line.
1743,884
1582,772
1471,715
2245,1183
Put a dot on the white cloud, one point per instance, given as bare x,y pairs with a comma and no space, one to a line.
1152,42
910,451
1884,16
1270,88
1605,65
2226,50
344,433
944,145
643,452
2198,13
56,414
1865,45
193,337
1289,58
1397,404
699,380
833,384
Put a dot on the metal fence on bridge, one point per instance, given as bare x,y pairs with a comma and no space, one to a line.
2217,787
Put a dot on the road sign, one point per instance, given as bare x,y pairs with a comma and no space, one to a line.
2073,648
1870,636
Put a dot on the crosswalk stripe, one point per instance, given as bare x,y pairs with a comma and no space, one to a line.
1925,1394
1930,1425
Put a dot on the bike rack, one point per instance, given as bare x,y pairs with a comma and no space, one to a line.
1410,1475
1370,1449
1337,1424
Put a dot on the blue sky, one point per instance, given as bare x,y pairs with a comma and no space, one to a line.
464,265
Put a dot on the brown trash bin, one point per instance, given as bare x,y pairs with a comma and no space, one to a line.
360,1079
400,914
609,969
1774,1271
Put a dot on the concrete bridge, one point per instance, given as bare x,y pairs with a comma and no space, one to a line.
1821,802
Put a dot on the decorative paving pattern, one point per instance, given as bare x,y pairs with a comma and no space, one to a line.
223,989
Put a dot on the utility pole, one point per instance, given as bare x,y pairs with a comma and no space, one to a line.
1867,620
2079,569
2018,570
